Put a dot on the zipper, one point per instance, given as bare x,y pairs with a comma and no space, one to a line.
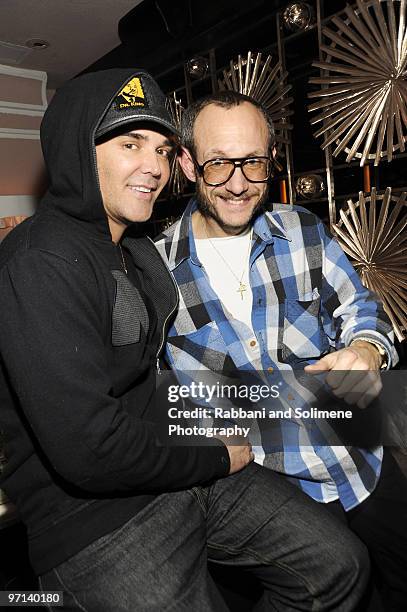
169,314
202,501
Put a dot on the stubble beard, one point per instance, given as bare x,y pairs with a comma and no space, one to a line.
208,211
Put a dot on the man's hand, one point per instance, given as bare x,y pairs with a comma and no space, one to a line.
353,373
240,452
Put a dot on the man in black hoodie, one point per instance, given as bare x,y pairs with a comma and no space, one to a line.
117,520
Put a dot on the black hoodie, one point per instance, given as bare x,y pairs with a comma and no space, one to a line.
77,369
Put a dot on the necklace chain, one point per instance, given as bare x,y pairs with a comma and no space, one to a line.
122,256
242,286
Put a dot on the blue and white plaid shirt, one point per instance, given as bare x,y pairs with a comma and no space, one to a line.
307,301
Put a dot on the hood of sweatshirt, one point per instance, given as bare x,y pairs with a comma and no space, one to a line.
68,144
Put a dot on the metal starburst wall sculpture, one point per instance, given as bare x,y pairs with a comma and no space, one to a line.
265,83
363,101
373,232
177,181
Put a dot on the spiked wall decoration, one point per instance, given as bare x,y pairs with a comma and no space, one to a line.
362,106
177,181
267,84
373,232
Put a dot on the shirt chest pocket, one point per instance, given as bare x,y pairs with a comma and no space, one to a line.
303,335
130,320
200,349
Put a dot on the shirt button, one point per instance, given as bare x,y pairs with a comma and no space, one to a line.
270,369
290,397
253,342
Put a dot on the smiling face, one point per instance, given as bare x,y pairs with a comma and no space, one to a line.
235,132
133,168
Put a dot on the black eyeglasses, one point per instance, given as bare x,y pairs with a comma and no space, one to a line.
217,172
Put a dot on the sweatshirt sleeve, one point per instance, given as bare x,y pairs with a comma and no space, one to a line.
53,350
352,311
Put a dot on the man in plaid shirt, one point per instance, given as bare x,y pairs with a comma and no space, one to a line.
266,291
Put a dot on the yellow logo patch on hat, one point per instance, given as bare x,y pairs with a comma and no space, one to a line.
131,95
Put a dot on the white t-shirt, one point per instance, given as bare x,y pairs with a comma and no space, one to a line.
235,251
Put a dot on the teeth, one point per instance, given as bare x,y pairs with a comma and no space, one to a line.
142,189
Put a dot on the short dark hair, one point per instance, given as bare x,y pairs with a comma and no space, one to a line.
224,99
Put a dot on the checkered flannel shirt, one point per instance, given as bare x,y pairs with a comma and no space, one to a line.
307,301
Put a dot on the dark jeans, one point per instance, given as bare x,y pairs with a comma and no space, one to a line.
305,558
381,523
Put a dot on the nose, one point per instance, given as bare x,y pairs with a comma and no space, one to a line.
150,163
237,184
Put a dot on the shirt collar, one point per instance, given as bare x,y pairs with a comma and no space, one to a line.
265,228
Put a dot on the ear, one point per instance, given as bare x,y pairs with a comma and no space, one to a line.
187,164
